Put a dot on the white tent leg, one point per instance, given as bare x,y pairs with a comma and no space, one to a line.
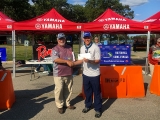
148,43
81,42
13,54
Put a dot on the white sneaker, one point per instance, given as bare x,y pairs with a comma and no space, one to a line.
45,71
35,71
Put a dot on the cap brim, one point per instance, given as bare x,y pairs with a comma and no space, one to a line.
61,37
86,36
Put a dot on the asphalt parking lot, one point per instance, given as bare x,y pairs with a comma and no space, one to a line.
35,101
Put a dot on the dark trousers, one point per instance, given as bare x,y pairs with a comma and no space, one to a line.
42,65
92,87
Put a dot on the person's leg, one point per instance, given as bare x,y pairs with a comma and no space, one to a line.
97,96
87,91
67,90
97,93
38,68
151,67
58,92
45,67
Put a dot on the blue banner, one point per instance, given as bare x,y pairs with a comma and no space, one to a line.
3,54
115,54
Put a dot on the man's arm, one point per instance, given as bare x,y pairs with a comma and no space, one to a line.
78,62
68,62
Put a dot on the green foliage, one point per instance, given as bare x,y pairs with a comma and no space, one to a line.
95,8
17,9
20,10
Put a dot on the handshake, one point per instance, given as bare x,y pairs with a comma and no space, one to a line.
70,63
73,63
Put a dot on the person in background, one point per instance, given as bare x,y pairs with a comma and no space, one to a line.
45,69
152,42
62,57
96,41
1,67
91,75
154,55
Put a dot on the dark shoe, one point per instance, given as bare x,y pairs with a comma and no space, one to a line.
98,114
71,107
60,110
85,110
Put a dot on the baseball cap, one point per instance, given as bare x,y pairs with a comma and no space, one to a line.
61,35
86,34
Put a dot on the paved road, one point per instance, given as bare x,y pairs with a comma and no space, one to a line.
35,101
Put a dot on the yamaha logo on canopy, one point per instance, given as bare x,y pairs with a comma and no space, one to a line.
111,19
150,20
48,26
50,20
116,26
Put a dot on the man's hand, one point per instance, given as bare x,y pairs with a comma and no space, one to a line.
70,63
85,60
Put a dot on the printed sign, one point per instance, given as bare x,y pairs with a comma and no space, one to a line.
115,54
3,54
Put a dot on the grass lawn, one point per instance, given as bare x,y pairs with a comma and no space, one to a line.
25,52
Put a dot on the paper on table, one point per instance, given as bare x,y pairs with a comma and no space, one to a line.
85,55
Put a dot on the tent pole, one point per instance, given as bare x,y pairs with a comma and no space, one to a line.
33,43
13,53
147,51
81,41
148,42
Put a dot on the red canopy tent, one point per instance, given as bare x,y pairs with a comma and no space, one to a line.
110,22
154,22
6,27
5,23
49,21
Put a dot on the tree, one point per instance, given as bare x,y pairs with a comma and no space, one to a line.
42,6
16,9
95,8
76,13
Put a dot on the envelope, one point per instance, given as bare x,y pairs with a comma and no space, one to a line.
84,55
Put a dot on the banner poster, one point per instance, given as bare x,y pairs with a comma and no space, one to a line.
3,54
42,51
115,54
